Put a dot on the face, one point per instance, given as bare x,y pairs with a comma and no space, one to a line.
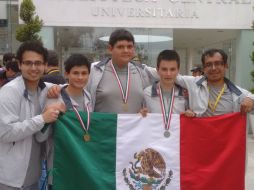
32,66
168,70
10,73
214,68
78,76
122,52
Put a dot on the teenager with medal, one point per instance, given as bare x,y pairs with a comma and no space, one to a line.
73,95
116,84
165,96
214,94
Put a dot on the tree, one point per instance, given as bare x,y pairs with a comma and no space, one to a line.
32,23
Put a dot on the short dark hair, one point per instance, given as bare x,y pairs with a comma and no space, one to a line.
52,58
8,57
168,55
197,68
76,60
34,46
211,52
119,35
13,65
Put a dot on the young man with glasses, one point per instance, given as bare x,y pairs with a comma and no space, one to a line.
21,116
214,94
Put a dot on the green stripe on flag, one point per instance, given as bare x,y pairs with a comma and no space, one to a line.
82,162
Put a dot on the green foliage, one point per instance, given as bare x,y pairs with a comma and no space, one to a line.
32,23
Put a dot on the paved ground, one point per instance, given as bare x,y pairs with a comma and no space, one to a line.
249,180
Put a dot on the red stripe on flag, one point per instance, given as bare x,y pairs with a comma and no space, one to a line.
212,152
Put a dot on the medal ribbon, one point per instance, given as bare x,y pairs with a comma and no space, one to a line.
166,116
126,93
217,99
86,128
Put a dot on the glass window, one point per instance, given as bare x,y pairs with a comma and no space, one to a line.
92,42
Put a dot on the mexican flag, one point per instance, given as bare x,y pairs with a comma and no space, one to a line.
128,152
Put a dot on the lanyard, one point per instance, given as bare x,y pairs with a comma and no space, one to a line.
126,93
86,128
217,99
166,115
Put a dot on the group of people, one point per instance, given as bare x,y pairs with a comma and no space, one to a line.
113,85
10,69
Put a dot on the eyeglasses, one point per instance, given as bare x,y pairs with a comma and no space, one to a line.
213,64
29,63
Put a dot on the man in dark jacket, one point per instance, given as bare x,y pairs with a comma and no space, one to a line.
53,74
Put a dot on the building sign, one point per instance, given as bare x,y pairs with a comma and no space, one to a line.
219,14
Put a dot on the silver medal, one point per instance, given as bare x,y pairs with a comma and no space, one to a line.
166,134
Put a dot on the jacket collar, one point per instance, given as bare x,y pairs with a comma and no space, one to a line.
154,92
231,86
106,60
67,100
41,85
102,63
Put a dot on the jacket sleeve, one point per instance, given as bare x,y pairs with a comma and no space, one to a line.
89,83
43,136
12,126
152,73
246,93
149,75
91,75
186,81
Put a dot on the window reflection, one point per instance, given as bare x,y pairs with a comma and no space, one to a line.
92,42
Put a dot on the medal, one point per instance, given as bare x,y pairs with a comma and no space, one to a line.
125,107
126,93
87,137
166,134
166,115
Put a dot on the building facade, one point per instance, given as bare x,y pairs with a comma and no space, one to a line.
188,26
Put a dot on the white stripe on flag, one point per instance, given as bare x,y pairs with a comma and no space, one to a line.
138,134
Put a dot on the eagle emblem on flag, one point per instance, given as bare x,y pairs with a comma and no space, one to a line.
148,171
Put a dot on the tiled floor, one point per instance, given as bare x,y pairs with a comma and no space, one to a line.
249,179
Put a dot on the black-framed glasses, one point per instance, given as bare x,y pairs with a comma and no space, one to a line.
213,64
29,63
